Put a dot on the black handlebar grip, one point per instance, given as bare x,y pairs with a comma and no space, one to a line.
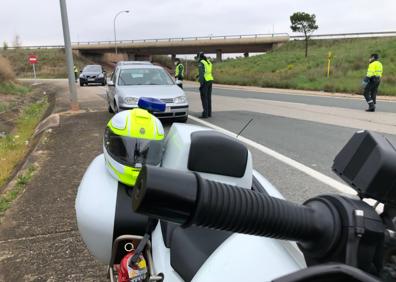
186,198
165,194
235,209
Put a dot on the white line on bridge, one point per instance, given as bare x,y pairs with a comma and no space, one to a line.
299,166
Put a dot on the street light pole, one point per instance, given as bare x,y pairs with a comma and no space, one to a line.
114,25
69,57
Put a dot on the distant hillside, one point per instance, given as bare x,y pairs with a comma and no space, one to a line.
286,67
51,62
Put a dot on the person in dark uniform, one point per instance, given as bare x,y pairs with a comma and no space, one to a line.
179,73
372,81
75,69
205,79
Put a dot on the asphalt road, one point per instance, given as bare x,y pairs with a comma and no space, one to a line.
308,129
294,131
356,102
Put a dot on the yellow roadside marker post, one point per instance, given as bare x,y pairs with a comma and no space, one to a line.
329,57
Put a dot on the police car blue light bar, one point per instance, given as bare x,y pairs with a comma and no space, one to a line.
151,104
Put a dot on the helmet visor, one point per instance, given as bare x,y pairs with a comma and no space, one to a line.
133,152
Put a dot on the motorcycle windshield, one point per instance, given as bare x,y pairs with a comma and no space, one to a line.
133,152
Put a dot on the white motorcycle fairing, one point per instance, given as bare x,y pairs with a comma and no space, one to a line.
191,254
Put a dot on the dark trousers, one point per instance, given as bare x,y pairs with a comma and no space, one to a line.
180,84
371,89
206,98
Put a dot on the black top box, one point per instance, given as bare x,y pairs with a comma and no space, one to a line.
368,163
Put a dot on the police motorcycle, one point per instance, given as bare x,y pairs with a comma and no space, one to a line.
202,213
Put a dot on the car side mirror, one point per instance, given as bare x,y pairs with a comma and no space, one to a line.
110,83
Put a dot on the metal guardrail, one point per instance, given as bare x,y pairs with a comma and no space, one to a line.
295,37
348,35
181,39
37,47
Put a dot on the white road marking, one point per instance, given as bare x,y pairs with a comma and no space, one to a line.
299,166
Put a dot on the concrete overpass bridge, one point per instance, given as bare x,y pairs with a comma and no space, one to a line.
137,49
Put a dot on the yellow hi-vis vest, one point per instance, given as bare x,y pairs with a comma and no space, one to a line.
179,70
375,69
208,70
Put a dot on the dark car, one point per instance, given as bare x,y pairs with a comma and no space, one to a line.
92,74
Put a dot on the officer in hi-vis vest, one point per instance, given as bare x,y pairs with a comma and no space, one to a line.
205,79
179,73
372,81
75,69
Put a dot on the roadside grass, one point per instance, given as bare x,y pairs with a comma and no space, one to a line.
12,88
286,66
14,146
9,196
3,107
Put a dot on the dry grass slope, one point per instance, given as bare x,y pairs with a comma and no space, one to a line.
286,67
6,72
51,62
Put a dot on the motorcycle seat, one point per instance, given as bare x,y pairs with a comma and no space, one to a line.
213,155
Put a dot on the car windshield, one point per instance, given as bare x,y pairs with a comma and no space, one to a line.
144,76
93,69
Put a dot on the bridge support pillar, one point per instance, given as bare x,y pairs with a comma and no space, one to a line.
131,57
77,53
218,56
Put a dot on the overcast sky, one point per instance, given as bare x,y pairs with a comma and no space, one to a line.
39,22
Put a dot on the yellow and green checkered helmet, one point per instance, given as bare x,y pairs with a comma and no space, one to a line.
132,139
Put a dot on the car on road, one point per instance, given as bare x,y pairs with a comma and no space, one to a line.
92,74
132,80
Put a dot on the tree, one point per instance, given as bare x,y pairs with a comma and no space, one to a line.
305,23
5,45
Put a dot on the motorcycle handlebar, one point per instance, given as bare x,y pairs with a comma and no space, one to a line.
194,200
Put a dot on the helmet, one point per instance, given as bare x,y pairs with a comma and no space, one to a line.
374,56
200,56
132,139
